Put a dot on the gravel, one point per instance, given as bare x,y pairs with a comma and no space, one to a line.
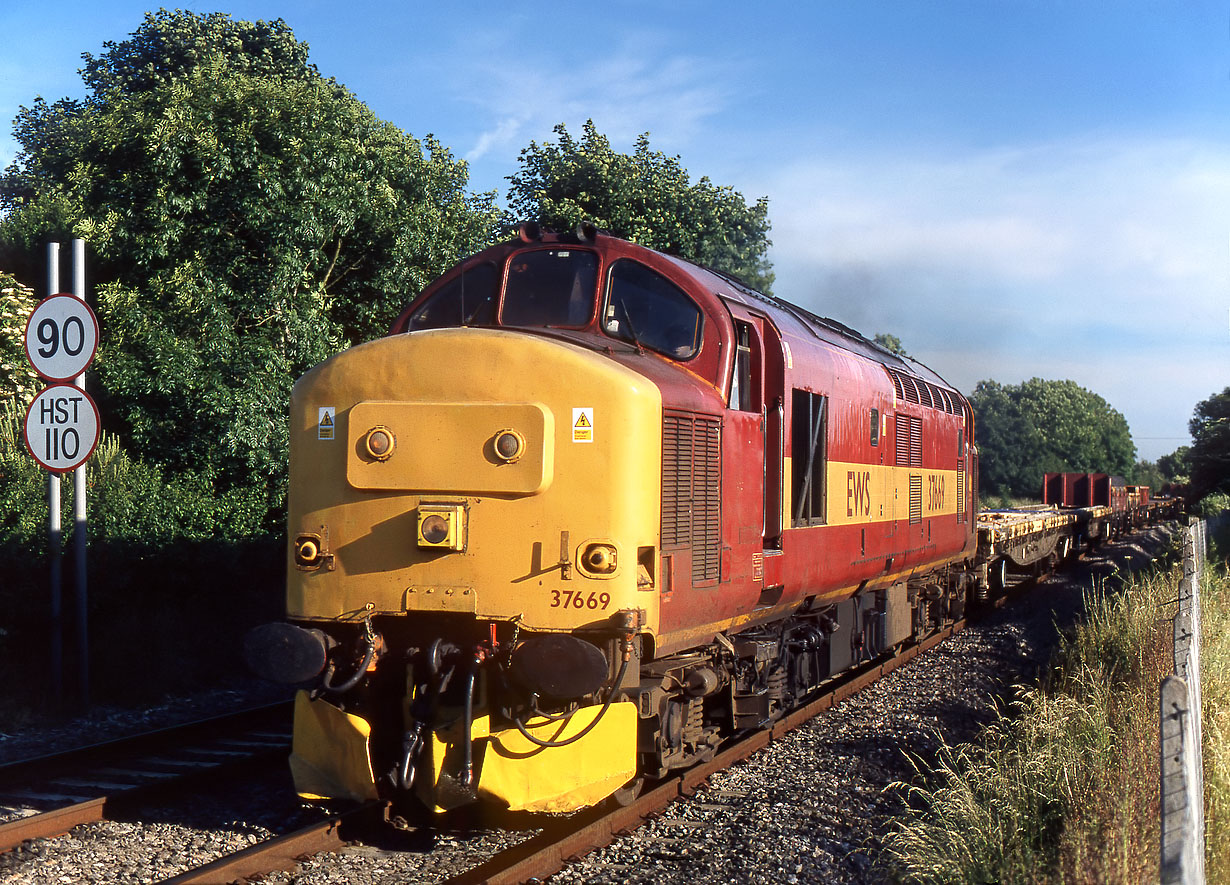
812,807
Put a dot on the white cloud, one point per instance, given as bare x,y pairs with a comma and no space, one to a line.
637,85
1100,260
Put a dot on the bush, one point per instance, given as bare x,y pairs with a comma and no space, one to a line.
1063,787
177,573
1212,505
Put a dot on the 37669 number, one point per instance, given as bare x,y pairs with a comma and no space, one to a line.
578,599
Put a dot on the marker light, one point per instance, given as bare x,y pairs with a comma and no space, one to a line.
600,559
379,443
442,526
509,446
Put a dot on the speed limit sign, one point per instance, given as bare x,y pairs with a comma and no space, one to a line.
61,337
61,427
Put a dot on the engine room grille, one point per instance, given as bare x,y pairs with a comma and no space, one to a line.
692,489
916,390
915,499
909,441
960,490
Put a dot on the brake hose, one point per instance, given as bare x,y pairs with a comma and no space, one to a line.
619,678
327,682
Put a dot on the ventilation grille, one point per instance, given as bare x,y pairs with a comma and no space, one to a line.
960,490
924,393
915,499
691,490
909,441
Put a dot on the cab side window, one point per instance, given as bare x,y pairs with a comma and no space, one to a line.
469,300
646,308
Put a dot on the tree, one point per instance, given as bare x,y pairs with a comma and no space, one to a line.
18,382
1007,441
1040,427
891,343
646,197
1209,456
249,218
1176,467
1147,473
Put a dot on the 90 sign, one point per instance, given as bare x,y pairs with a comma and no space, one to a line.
61,337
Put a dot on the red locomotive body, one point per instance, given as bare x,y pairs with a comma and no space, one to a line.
786,500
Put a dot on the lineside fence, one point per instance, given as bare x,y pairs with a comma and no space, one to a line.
1182,789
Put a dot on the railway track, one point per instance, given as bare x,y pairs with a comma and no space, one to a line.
538,856
559,841
49,795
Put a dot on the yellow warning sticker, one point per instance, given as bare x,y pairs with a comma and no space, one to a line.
326,425
583,425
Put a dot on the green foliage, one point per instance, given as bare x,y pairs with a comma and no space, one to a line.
1212,505
163,553
1209,456
891,343
1176,467
1008,443
249,218
1038,427
1147,473
130,502
646,197
18,381
1215,713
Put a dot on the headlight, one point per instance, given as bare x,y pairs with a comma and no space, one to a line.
442,526
600,559
379,442
509,446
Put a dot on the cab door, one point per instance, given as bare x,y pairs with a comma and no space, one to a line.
755,428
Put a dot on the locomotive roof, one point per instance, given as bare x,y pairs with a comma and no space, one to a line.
790,319
786,314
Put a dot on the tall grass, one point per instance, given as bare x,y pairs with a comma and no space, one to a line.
1063,786
1215,715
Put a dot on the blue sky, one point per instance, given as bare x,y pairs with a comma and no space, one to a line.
1014,189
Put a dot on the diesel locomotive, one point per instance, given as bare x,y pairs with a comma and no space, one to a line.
588,510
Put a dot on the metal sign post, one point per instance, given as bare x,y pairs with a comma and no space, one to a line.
79,520
61,430
54,531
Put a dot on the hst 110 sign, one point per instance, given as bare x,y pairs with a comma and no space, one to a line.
62,427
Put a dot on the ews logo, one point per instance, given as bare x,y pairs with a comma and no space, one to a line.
858,493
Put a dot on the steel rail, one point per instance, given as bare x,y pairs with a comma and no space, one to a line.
85,783
284,852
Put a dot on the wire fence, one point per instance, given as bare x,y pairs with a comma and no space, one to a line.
1182,789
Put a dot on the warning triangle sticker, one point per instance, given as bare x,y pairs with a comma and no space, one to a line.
582,421
326,420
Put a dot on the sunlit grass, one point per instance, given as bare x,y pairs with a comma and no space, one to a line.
1063,786
1215,715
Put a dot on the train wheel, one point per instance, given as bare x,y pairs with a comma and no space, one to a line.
629,792
997,574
